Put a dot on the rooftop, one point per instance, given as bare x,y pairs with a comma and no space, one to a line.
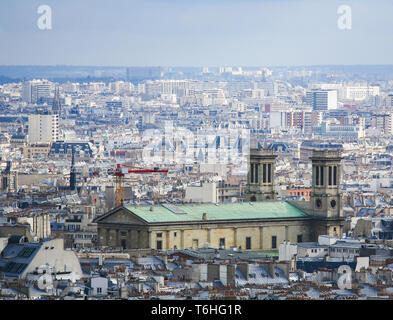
227,211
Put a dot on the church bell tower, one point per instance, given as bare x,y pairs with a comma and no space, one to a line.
325,200
260,178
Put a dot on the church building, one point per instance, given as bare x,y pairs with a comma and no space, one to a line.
260,223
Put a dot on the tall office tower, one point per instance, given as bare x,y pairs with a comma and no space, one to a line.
43,128
322,99
260,179
26,92
35,90
41,90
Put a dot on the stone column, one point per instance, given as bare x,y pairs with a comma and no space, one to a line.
182,239
101,236
149,239
235,237
107,236
117,241
129,241
139,239
261,237
167,235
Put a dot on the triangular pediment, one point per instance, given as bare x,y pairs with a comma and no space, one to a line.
120,215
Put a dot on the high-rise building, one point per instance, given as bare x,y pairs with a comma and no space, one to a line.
35,90
26,92
322,99
43,127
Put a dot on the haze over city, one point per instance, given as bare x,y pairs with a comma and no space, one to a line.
195,33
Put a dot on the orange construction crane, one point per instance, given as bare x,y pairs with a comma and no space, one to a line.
119,179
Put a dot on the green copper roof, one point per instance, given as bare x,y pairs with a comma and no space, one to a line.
227,211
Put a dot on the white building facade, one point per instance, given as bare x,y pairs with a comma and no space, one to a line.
43,128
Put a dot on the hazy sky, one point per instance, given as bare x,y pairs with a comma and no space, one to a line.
196,32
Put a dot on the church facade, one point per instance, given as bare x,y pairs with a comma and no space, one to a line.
260,223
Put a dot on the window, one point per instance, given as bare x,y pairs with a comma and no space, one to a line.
159,235
335,175
322,173
174,234
99,290
195,243
123,243
330,176
159,245
299,238
269,173
256,173
222,243
252,173
123,233
274,242
248,243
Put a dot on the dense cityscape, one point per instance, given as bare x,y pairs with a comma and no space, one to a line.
196,158
187,183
